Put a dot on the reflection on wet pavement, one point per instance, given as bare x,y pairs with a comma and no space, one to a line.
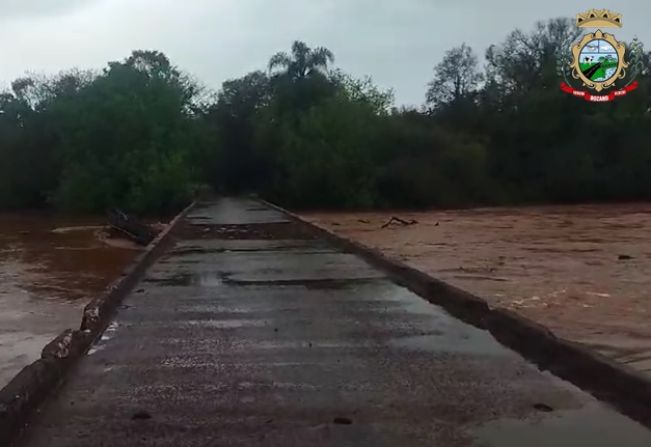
584,271
592,426
49,269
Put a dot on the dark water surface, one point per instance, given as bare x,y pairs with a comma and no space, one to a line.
50,267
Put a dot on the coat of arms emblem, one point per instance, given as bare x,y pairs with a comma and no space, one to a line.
598,62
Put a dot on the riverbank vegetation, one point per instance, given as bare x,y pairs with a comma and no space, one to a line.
143,136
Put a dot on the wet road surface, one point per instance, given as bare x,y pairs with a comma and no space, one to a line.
583,271
249,332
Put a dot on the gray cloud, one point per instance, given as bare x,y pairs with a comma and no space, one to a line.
29,8
396,41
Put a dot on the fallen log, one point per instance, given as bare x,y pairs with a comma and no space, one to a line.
398,221
130,227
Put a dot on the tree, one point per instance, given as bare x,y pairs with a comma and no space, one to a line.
154,63
325,156
129,139
237,165
527,60
302,62
28,147
244,96
141,133
456,77
300,80
365,91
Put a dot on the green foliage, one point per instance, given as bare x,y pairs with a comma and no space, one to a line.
317,134
236,165
363,91
326,157
29,162
121,138
425,165
143,136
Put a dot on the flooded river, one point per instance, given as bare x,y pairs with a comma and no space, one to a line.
583,271
50,268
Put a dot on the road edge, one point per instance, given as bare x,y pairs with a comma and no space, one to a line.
34,383
618,385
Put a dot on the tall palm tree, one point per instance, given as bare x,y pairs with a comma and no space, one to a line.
303,61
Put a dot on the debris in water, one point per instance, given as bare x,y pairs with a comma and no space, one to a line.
544,408
141,415
398,221
342,421
129,226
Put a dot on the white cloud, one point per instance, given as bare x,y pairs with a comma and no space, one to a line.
606,47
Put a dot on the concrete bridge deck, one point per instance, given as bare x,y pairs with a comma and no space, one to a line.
250,332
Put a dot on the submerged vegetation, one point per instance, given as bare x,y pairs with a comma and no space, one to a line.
144,136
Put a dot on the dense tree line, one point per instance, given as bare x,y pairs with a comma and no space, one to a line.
144,136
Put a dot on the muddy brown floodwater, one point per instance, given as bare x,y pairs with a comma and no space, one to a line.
50,268
582,271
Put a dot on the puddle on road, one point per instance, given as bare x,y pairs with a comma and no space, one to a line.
451,335
310,284
593,426
225,324
110,331
207,279
218,279
462,342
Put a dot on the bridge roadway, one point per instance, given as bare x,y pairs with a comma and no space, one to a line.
248,332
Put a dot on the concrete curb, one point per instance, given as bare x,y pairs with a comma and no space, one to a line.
620,386
34,383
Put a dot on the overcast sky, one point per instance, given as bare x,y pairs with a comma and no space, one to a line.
397,42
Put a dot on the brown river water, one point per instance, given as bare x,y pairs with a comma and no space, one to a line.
50,268
582,271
